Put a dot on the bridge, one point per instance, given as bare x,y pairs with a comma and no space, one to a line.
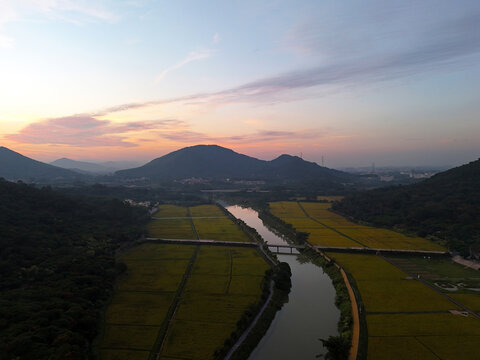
278,248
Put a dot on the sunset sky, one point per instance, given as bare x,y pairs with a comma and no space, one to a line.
390,82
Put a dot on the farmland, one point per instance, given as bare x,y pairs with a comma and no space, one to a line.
207,222
329,229
405,318
182,301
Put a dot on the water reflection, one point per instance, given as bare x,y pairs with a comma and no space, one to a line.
310,313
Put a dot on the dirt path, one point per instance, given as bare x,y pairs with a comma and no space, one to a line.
471,264
355,313
356,318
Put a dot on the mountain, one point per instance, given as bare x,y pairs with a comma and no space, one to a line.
83,167
14,166
216,162
445,207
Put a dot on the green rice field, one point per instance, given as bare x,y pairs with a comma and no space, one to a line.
329,229
405,318
167,210
222,284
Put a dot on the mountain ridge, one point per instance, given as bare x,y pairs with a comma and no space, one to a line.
15,166
216,162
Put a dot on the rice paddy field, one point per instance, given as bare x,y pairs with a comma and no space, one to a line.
219,229
405,318
171,229
206,210
208,222
181,300
167,210
329,229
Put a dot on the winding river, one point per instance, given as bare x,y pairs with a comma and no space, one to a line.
310,313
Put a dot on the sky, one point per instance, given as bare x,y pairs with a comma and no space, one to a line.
355,82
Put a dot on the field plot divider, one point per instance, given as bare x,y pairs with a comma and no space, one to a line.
473,313
192,223
329,227
162,334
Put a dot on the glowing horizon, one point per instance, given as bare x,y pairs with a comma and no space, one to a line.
391,83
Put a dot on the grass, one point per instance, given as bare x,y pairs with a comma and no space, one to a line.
222,229
206,210
320,234
444,268
386,239
117,354
130,336
153,275
401,296
224,282
209,284
453,347
372,237
422,324
472,301
136,308
247,262
283,209
368,267
195,340
167,210
171,229
398,348
215,308
245,285
384,288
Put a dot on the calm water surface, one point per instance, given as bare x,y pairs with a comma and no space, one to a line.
310,313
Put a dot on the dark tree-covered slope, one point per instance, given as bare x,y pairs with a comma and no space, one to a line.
216,162
57,268
446,206
14,166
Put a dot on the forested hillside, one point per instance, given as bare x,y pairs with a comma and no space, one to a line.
446,207
57,268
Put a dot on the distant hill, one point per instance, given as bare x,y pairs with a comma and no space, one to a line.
446,207
93,168
83,166
216,162
14,166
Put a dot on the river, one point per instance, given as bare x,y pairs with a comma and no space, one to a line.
310,313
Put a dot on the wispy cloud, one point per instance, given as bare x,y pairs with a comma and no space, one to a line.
450,44
216,38
86,131
192,56
73,11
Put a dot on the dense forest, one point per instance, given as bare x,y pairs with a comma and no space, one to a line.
57,268
445,207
